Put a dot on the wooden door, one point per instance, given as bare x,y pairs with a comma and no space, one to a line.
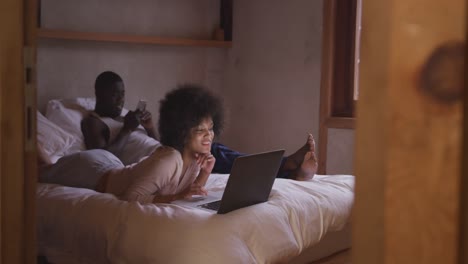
17,132
409,132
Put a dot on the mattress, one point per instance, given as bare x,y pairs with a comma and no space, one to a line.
83,226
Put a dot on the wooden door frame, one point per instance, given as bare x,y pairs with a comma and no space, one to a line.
464,179
409,137
31,166
17,132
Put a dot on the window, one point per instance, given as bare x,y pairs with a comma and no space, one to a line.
342,27
340,69
346,58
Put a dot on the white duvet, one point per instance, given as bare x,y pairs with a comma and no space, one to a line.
83,226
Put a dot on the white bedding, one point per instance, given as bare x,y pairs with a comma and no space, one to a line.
82,226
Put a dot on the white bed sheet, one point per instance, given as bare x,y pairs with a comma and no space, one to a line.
83,226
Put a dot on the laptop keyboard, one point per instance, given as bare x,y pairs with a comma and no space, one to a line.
212,206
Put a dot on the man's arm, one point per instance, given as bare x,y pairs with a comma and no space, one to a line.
96,135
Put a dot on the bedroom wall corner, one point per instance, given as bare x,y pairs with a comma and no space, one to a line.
272,76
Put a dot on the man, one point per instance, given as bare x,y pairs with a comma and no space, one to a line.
133,136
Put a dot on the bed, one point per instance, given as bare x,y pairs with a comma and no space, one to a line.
301,222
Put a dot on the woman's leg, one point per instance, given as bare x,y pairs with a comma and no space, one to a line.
224,158
301,165
81,170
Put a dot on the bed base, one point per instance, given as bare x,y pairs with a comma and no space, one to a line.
332,243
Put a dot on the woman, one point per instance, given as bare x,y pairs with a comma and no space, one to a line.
190,117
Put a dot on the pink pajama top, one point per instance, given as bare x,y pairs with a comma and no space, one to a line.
158,174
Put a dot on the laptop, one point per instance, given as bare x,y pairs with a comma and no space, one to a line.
249,183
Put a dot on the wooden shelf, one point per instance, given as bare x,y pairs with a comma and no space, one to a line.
128,38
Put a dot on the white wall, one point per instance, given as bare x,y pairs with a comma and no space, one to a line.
340,151
69,68
272,79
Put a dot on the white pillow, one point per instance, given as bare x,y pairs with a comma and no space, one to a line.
68,113
51,139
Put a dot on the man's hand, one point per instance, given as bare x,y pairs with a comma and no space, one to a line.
146,120
131,121
206,162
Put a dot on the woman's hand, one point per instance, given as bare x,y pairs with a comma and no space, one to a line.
206,162
194,189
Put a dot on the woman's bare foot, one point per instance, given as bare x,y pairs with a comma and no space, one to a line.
294,161
307,169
